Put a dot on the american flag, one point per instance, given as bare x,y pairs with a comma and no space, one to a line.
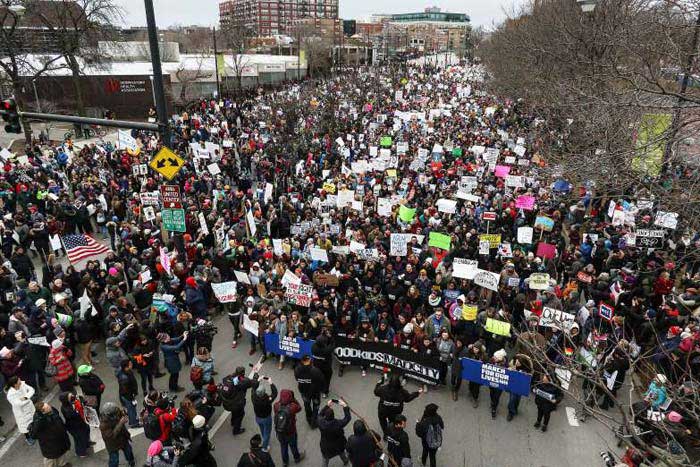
82,246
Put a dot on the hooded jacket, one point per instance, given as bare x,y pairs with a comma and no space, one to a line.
361,446
234,398
333,433
287,400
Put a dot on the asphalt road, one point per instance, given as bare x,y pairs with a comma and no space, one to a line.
471,437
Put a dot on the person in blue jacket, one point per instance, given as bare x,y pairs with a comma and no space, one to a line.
171,358
195,299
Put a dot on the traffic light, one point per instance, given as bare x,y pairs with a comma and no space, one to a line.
8,109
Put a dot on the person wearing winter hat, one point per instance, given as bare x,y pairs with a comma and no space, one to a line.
59,357
160,456
657,394
199,451
195,299
498,359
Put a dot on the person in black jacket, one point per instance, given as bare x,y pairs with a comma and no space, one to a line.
48,428
322,352
198,453
257,457
72,411
262,406
310,381
430,419
362,446
128,390
233,392
392,397
547,396
397,441
333,432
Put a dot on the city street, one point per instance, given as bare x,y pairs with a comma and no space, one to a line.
471,438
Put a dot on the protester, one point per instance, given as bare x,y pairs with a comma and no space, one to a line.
171,356
262,406
59,357
332,430
233,394
115,434
397,441
285,410
392,397
311,382
19,395
362,446
547,397
92,386
257,456
73,413
198,453
128,391
47,427
429,429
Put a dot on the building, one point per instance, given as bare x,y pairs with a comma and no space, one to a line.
271,17
39,26
429,31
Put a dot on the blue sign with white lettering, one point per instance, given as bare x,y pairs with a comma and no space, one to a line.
294,347
496,376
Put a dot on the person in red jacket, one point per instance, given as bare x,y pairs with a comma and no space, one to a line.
286,425
166,414
59,356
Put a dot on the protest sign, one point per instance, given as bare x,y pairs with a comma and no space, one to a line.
406,214
498,327
242,277
486,279
398,245
464,268
552,317
546,250
299,294
584,277
293,347
439,240
496,376
492,239
225,292
668,220
606,311
290,278
502,170
505,250
447,206
469,312
164,260
250,325
484,248
385,141
525,202
416,365
525,235
544,223
515,181
319,254
329,280
538,281
328,187
649,238
384,207
149,198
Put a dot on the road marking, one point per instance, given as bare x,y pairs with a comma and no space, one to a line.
219,421
16,435
571,416
99,442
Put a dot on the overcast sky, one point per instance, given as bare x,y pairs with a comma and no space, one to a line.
206,12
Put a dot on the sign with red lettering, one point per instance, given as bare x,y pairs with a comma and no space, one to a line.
489,216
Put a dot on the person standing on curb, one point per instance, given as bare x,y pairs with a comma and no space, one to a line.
19,395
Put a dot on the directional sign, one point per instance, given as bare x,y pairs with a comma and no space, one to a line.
171,196
167,163
174,220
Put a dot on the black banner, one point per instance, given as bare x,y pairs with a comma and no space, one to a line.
421,367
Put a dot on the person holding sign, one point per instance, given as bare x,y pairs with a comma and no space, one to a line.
547,397
498,359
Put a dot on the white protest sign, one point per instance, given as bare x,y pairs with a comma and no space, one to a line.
484,247
251,325
251,222
149,198
525,234
299,294
149,213
214,169
55,242
384,207
447,206
552,317
242,277
464,268
486,279
268,192
538,281
667,220
203,223
225,292
165,260
290,278
398,245
277,246
319,254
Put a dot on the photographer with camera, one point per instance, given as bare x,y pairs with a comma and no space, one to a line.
165,413
262,406
332,430
257,456
233,392
115,434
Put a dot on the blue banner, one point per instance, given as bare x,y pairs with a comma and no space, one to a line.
294,347
496,376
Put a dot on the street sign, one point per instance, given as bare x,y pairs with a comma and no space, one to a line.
167,163
489,216
174,220
171,196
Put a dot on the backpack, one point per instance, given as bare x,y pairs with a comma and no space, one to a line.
196,374
433,436
151,427
179,426
283,420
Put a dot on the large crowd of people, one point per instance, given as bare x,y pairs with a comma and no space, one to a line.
310,185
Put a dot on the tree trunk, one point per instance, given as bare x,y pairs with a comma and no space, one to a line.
79,104
26,126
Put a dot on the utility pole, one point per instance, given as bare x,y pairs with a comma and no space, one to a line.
157,73
216,65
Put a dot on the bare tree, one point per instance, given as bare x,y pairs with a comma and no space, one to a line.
186,77
235,39
16,53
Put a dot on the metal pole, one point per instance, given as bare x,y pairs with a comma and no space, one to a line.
216,65
157,72
90,121
298,52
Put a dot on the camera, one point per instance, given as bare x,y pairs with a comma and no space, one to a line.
607,458
206,330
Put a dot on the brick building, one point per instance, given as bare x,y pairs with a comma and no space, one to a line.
271,17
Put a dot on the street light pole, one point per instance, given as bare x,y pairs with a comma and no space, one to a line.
216,65
157,73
